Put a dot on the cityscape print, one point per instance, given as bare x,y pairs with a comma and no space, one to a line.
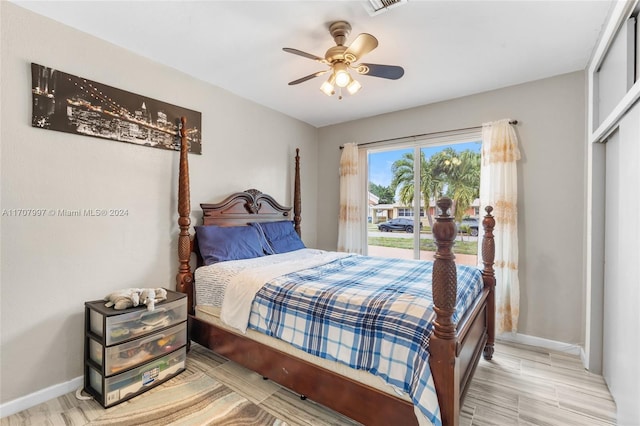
72,104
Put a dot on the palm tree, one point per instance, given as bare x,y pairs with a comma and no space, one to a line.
464,182
461,174
456,175
402,170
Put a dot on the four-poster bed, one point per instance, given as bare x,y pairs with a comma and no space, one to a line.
455,347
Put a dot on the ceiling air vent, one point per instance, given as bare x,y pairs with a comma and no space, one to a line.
375,7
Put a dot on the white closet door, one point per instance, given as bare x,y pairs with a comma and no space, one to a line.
621,328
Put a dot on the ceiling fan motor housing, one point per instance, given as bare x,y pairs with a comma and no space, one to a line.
335,53
340,30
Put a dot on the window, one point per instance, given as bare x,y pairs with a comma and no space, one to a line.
616,73
408,212
614,76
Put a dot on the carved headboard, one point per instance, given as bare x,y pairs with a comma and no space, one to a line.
242,207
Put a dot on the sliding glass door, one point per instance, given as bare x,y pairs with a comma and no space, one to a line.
391,226
404,184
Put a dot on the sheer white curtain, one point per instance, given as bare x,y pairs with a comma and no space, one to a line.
350,225
499,188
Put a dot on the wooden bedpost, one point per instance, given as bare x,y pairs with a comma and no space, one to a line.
184,278
442,344
297,202
489,278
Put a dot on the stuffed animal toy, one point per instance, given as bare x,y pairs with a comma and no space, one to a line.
132,297
123,299
151,296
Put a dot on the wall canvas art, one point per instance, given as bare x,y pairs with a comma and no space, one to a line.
72,104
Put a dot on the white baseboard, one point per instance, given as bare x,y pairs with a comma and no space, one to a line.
38,397
542,343
583,358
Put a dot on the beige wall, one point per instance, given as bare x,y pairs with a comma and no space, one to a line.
551,185
51,265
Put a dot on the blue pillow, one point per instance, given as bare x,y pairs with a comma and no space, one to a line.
280,236
221,243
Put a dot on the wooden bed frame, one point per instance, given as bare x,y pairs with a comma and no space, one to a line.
455,349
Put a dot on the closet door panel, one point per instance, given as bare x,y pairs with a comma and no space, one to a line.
621,304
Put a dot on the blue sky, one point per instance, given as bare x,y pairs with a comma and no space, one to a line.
380,162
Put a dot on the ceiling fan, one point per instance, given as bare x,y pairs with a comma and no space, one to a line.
341,59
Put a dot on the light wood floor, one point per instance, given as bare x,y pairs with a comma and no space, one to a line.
520,386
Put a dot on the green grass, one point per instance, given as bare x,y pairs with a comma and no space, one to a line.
461,247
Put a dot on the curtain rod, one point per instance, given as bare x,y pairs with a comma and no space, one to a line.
513,122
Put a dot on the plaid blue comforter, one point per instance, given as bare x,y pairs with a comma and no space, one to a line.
370,313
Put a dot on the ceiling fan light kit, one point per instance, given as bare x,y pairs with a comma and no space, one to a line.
354,87
342,74
341,59
327,87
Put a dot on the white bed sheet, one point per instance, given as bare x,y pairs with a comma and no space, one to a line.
212,280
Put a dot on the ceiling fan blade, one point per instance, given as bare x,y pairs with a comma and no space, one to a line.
304,54
362,45
392,72
308,77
